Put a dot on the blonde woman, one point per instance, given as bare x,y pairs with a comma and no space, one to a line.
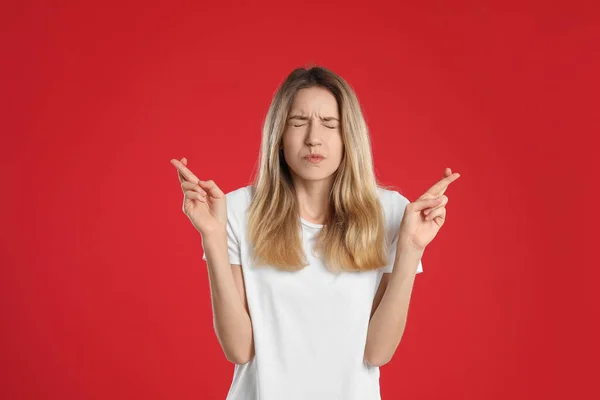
311,267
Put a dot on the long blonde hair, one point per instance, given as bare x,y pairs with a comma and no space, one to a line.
353,237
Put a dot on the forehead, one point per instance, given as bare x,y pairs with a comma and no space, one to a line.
315,100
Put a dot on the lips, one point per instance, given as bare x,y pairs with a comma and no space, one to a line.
314,157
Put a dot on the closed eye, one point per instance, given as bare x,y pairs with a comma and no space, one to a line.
327,126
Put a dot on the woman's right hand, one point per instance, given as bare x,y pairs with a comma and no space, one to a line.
203,202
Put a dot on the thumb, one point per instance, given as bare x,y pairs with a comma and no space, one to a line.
217,199
422,204
212,189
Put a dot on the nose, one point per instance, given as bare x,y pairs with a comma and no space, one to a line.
313,137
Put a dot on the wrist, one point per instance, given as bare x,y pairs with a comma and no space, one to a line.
406,246
407,260
214,239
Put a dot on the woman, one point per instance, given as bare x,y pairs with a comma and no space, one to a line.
311,267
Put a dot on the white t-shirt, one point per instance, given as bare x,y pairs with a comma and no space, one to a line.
310,326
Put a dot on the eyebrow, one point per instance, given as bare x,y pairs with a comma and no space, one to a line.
305,118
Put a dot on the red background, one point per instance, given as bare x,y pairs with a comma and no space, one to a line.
103,291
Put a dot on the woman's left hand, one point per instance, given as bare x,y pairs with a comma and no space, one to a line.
424,217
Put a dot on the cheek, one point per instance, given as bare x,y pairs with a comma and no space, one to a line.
337,145
290,140
292,147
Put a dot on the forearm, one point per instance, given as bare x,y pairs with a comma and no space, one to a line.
387,324
232,323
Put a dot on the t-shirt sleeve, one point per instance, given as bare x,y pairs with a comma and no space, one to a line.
393,219
233,241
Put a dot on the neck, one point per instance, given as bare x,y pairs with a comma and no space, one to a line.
313,198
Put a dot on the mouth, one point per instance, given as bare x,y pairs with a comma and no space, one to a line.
314,158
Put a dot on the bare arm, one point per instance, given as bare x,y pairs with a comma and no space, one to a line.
205,204
231,317
390,308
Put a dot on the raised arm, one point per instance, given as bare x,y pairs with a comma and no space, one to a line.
205,205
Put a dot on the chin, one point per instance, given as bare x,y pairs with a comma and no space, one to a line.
315,176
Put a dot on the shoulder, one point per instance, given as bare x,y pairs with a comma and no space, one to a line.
238,200
392,200
393,204
239,196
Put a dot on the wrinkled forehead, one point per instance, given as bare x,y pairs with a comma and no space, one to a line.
315,102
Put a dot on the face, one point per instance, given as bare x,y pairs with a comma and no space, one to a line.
313,127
